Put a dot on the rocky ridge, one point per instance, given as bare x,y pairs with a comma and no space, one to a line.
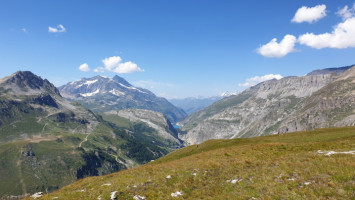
276,106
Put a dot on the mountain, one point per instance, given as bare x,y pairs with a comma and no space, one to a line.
192,104
336,70
47,142
158,130
315,164
102,94
277,106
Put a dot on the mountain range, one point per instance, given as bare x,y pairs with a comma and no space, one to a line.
48,139
102,94
323,98
47,142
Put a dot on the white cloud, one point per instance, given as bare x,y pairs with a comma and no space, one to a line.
114,64
84,67
24,30
342,36
59,29
310,14
99,69
347,13
274,49
258,79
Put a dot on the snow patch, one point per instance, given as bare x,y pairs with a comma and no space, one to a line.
116,92
86,83
90,82
90,94
37,195
176,194
131,88
329,153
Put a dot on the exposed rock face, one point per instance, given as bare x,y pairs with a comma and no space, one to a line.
27,83
104,94
26,94
277,106
153,119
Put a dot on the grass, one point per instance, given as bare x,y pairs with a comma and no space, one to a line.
269,167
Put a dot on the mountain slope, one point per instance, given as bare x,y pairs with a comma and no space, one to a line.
302,165
47,142
102,94
161,132
271,107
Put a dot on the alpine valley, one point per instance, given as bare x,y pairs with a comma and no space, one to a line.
52,137
47,142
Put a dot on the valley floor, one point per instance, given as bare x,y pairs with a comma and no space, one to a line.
303,165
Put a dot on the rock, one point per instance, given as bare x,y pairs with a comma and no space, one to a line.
37,195
176,194
113,195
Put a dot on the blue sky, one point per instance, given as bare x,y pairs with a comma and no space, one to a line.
175,48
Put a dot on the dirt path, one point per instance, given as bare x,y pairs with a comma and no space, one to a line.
44,126
85,139
19,162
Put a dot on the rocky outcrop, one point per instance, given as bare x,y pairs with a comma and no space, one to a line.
276,106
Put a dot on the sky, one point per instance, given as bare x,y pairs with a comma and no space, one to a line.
176,48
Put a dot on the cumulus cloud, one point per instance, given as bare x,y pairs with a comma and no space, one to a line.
84,67
115,64
342,36
258,79
274,49
310,14
59,29
346,13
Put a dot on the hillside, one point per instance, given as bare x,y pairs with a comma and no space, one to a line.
277,106
301,165
152,127
47,142
102,94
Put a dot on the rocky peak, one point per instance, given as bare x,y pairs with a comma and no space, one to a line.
26,80
121,80
335,70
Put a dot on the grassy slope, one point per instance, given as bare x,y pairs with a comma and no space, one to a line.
269,167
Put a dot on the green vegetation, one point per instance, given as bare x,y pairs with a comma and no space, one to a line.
284,166
141,131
